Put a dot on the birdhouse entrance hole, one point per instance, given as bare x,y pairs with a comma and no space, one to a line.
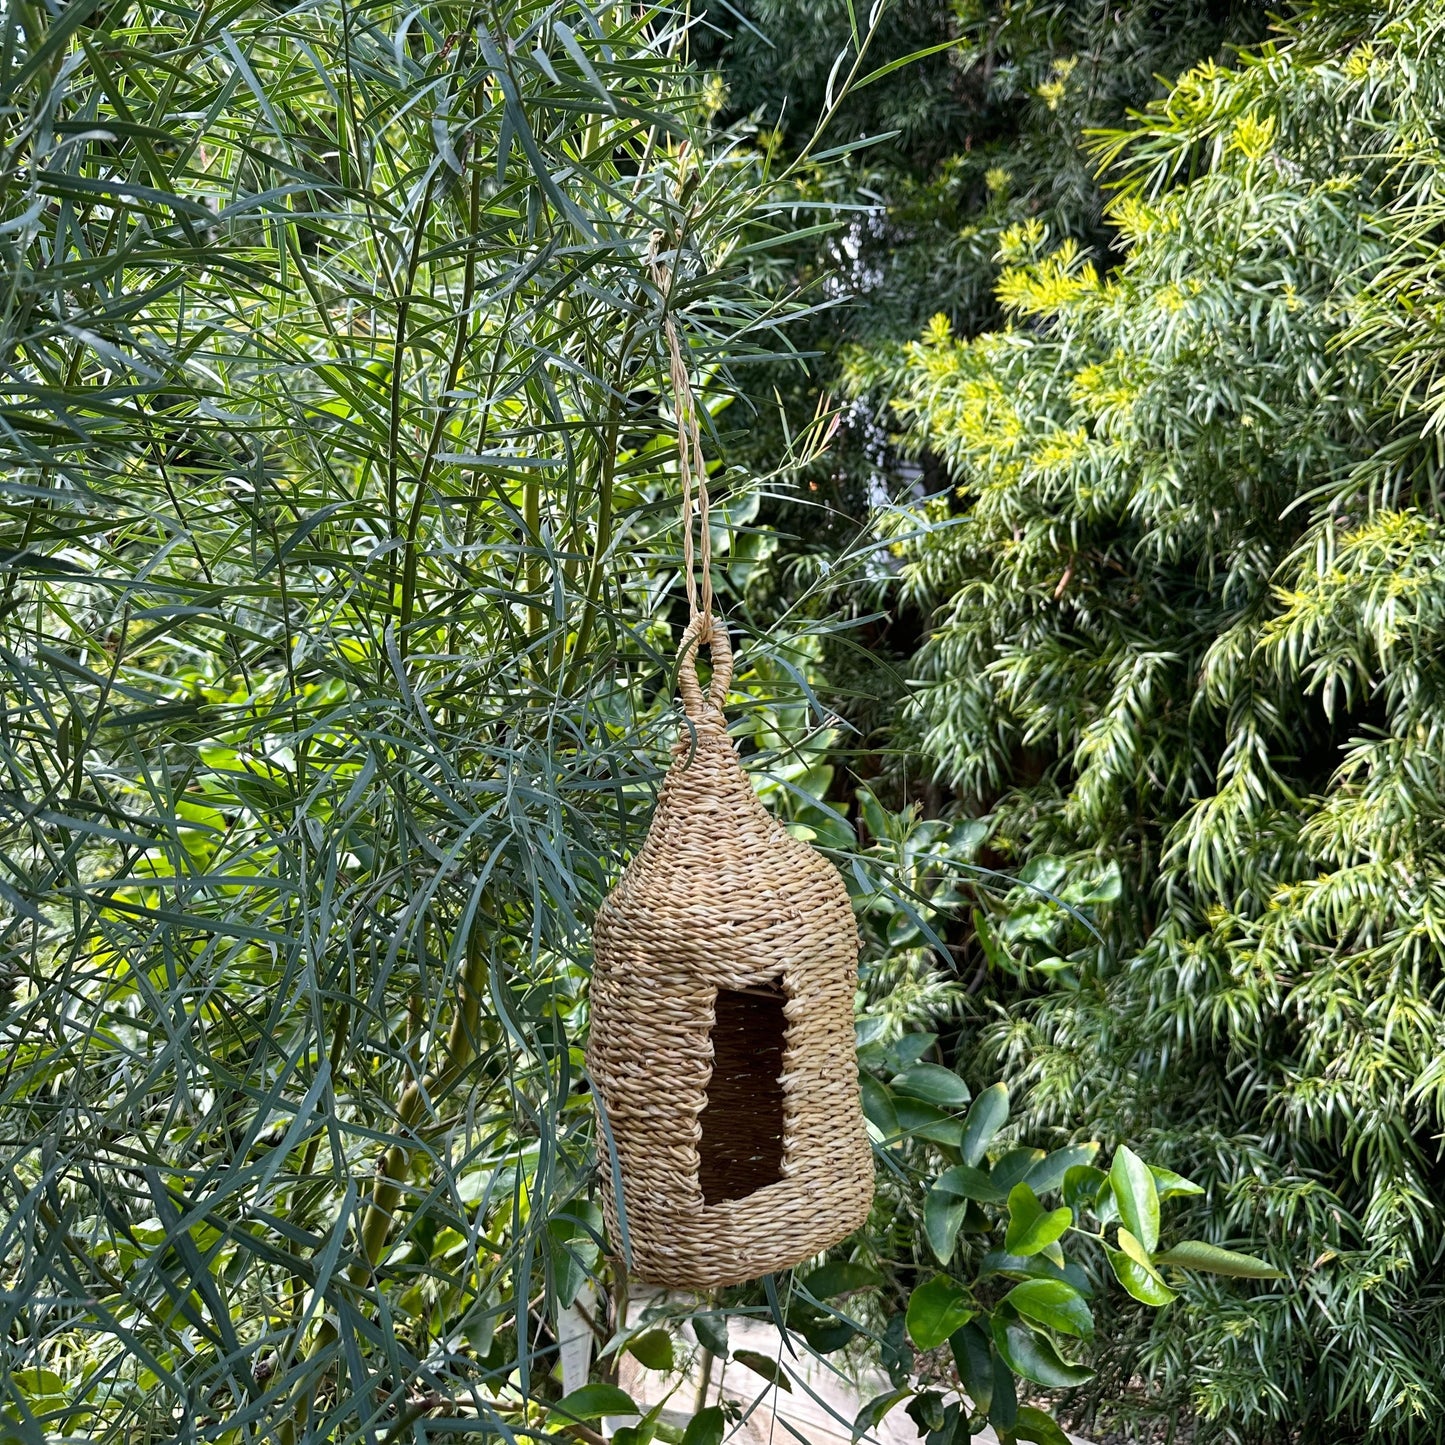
742,1122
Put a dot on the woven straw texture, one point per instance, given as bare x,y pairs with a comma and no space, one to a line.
722,1043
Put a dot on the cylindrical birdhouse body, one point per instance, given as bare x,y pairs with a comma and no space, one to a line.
722,1043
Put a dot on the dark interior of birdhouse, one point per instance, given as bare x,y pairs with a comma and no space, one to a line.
742,1122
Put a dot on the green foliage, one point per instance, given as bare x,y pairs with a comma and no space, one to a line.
707,1427
338,516
591,1402
339,588
985,132
970,139
654,1349
985,1259
1011,1290
1187,620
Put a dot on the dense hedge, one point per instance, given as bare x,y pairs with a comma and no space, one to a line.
1186,610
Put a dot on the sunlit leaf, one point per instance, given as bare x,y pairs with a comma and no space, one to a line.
1031,1227
1136,1196
1135,1271
653,1349
591,1402
1196,1254
1053,1304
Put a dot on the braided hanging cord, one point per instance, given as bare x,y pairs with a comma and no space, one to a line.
691,463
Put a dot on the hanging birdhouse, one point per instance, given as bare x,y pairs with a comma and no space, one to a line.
722,1046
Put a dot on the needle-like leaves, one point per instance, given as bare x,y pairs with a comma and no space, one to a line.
338,505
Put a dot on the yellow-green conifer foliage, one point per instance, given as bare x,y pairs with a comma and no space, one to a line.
1188,616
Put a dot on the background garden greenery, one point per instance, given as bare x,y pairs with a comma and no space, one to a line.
1182,610
1098,647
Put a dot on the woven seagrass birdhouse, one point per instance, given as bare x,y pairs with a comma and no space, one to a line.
722,1044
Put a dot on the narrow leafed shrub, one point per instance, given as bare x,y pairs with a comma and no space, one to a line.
337,542
339,554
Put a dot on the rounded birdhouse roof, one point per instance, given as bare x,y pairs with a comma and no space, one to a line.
718,871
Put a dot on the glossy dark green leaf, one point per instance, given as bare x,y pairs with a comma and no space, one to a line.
1034,1266
878,1106
1003,1410
986,1116
974,1361
826,1335
970,1183
1015,1166
977,1220
926,1410
926,1121
712,1333
1054,1304
707,1427
1044,872
903,929
936,1309
955,1428
1032,1356
904,1052
895,1351
942,1216
1102,888
874,1411
934,1085
1037,1426
1051,1171
838,1277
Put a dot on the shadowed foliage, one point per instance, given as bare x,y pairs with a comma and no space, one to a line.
335,627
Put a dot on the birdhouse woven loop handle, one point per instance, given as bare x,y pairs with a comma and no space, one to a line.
711,631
